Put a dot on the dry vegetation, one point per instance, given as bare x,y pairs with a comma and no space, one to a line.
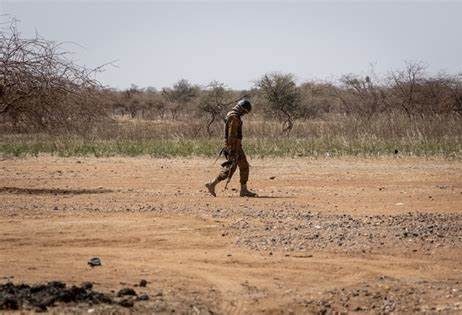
50,104
41,89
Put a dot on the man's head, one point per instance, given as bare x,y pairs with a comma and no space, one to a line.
243,107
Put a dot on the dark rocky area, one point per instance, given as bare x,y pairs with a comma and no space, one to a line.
40,297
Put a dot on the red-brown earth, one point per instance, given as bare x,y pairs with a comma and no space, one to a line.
348,234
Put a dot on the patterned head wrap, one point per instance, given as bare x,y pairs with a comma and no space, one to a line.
241,108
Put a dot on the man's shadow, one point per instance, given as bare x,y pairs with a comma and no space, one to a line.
264,196
267,197
272,197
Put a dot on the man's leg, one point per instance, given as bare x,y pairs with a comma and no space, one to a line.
222,176
244,170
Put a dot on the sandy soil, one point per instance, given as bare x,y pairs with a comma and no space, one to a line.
326,235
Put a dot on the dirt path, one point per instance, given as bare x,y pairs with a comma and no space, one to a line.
360,235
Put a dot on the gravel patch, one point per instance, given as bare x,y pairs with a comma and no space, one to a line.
267,230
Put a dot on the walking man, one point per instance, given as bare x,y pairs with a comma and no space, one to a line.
233,152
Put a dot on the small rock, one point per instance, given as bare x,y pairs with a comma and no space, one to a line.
272,177
40,308
143,297
9,302
87,285
126,303
126,291
95,261
143,283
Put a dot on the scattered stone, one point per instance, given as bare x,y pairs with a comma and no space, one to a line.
8,302
143,297
87,285
305,231
95,261
126,291
272,177
143,283
127,302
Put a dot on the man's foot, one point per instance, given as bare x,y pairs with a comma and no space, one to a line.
247,193
211,188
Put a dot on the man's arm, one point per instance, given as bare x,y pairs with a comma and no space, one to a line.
234,142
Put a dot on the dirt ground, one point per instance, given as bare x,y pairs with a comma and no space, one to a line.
325,235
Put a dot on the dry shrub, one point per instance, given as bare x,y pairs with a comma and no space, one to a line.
41,89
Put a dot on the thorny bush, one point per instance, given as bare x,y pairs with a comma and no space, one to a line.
42,89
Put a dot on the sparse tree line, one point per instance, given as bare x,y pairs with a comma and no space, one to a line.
42,89
277,96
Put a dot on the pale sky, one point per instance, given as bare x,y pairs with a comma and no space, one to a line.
158,43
